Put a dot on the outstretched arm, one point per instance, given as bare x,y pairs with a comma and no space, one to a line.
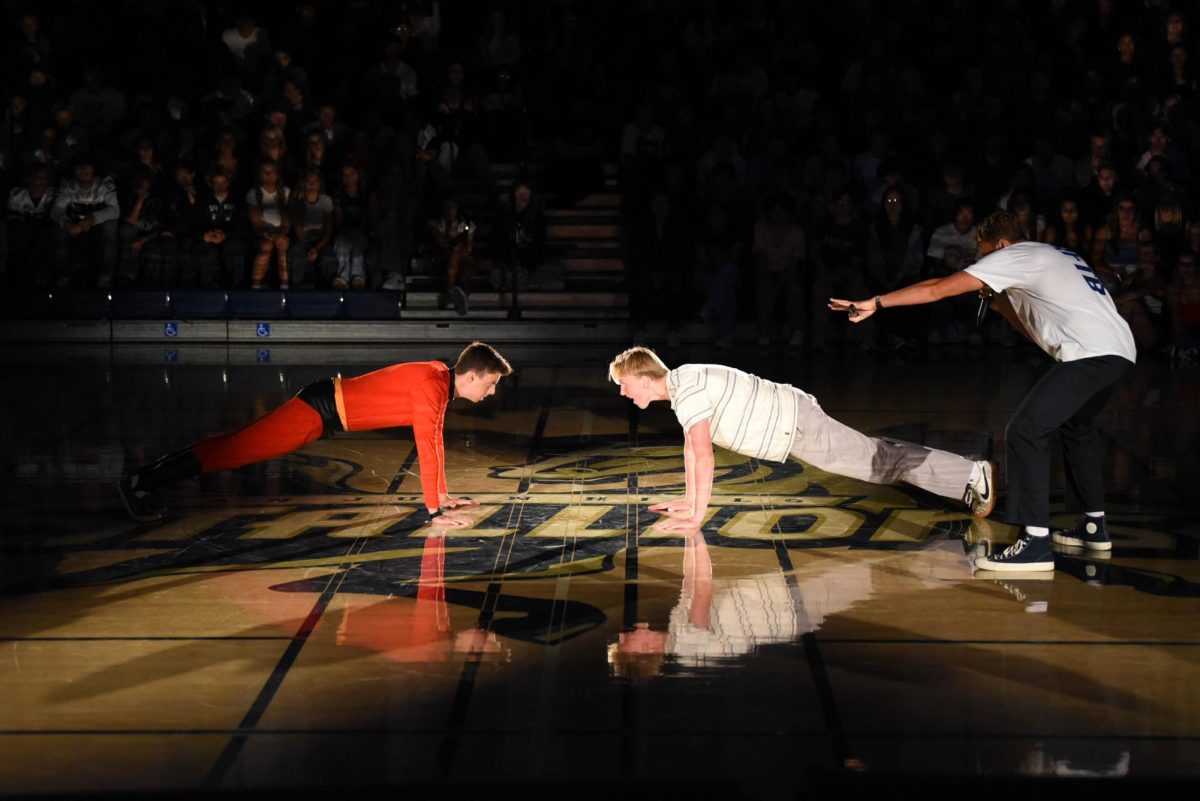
928,291
689,483
699,437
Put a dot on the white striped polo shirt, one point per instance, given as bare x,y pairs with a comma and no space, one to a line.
747,414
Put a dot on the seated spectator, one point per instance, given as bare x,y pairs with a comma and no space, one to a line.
1021,203
1183,302
350,246
891,176
1100,195
183,214
316,157
337,135
311,260
392,208
272,147
1140,299
145,248
87,216
954,242
1099,154
518,240
267,207
1170,228
719,256
1159,144
453,238
1115,246
839,253
780,254
30,237
1069,229
942,198
249,47
219,248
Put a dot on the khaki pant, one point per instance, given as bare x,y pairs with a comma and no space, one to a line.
833,447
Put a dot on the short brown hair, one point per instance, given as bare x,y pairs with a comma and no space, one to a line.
999,225
636,361
480,357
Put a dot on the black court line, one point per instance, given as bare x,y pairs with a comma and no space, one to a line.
816,665
718,733
233,748
398,479
824,640
461,703
629,699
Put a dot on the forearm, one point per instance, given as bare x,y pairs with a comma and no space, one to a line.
689,471
916,294
1002,306
702,481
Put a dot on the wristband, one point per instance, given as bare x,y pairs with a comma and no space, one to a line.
878,303
435,513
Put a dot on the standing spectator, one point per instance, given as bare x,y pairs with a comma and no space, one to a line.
350,246
311,259
266,204
779,254
219,247
30,239
87,216
518,239
454,255
145,251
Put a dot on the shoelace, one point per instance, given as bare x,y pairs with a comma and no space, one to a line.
1015,548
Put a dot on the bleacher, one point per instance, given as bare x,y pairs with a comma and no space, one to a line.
579,295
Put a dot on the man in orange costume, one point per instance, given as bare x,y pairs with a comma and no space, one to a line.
412,394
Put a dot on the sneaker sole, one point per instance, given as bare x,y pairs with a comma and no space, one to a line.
1013,567
1076,542
991,504
129,509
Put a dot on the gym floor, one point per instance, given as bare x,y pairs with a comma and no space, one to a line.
294,625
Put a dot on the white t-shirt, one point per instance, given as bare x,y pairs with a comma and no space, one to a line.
1060,300
272,205
747,414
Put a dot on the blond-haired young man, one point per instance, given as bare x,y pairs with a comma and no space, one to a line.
769,421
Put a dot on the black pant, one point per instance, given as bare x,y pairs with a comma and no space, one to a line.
1066,399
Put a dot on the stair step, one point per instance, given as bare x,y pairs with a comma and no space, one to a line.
583,231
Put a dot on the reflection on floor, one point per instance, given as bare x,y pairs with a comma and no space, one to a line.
294,625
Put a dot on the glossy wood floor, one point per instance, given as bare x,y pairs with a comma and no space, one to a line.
293,625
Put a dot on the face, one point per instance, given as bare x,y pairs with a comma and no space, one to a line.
1126,47
312,184
1158,138
184,177
893,203
278,119
1069,211
219,184
85,173
38,182
272,139
146,152
637,388
964,219
1126,211
349,176
327,115
475,386
1107,179
268,175
522,196
316,144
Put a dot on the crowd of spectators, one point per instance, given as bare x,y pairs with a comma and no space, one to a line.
777,154
771,153
178,143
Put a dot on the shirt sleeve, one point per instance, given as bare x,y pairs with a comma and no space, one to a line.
692,404
429,399
999,270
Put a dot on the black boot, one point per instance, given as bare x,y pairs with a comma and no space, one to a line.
136,487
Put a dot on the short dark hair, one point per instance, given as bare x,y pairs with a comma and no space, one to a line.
1000,225
480,357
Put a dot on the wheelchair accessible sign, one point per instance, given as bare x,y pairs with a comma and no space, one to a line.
262,330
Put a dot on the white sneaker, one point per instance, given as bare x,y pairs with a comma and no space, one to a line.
980,494
394,282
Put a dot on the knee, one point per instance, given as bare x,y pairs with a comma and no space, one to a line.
1025,430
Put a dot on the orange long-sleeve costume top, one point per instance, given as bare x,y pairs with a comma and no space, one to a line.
412,394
